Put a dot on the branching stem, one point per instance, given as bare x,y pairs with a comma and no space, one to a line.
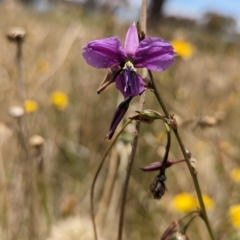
187,159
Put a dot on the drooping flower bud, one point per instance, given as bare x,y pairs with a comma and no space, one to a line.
158,186
118,116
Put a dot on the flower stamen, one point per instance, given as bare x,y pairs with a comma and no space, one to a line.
130,66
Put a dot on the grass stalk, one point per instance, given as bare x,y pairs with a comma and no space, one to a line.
96,176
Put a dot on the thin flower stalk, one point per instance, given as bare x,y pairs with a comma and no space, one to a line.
96,176
141,36
186,157
158,186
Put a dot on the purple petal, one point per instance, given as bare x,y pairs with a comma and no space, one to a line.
104,53
154,54
131,40
118,116
129,83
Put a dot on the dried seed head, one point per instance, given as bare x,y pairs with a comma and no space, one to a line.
16,34
36,141
16,111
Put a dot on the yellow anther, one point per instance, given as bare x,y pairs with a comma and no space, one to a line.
130,66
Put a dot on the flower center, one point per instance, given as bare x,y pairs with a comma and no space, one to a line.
128,65
129,78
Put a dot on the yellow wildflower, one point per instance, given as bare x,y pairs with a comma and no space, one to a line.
183,49
184,202
234,213
30,106
59,100
235,175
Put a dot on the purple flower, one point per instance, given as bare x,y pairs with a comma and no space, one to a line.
152,53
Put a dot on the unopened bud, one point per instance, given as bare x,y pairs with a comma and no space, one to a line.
158,165
173,232
118,116
158,186
155,166
147,116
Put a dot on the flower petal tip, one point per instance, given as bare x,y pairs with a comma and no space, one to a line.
109,135
131,40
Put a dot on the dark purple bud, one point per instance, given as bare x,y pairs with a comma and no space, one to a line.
158,186
157,165
118,116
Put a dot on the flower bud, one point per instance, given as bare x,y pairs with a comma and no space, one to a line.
158,165
118,116
173,232
158,186
155,166
147,116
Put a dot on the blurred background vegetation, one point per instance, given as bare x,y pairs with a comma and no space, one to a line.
49,152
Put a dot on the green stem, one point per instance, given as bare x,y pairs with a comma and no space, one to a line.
187,159
96,176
